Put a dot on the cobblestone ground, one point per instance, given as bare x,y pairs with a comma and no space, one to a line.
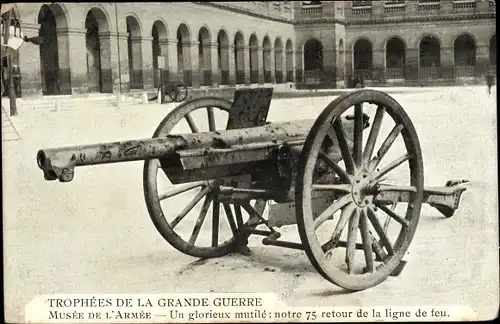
94,235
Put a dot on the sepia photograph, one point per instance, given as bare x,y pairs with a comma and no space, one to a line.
249,161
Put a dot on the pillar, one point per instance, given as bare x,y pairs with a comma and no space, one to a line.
78,74
289,66
273,65
411,64
299,67
173,63
147,62
164,52
108,45
29,63
223,68
64,60
278,65
240,64
482,59
231,64
215,71
378,74
329,68
247,74
447,63
122,71
260,64
191,64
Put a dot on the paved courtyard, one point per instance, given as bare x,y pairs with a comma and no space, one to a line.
94,235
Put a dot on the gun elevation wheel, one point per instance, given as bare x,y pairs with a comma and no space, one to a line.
331,238
163,198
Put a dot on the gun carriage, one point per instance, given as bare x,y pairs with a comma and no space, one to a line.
322,174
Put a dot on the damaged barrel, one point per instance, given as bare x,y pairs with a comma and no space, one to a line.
59,163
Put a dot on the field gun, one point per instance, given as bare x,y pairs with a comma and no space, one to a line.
318,174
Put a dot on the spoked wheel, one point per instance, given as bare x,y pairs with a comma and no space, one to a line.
181,92
331,240
170,206
169,91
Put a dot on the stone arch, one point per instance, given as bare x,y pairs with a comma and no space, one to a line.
278,60
239,57
289,60
184,53
493,50
341,60
101,17
429,51
253,42
134,46
363,58
159,33
223,56
429,57
313,61
204,56
99,73
395,56
267,59
464,48
54,50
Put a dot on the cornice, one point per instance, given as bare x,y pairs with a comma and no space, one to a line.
392,20
245,12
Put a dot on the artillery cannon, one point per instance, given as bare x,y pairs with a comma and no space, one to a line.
320,174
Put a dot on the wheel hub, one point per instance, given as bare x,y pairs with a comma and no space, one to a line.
363,188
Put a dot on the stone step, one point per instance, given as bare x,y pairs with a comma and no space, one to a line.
62,102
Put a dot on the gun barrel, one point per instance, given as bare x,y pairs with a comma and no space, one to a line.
59,163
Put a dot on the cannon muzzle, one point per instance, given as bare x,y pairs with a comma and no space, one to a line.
57,165
60,163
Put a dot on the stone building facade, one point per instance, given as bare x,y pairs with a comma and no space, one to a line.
109,47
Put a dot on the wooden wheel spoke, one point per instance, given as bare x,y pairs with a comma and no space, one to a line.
377,248
376,225
336,168
328,213
345,188
211,119
352,236
386,145
372,138
230,219
388,219
189,207
367,242
191,123
390,212
358,134
201,219
345,215
391,166
181,188
215,221
344,148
